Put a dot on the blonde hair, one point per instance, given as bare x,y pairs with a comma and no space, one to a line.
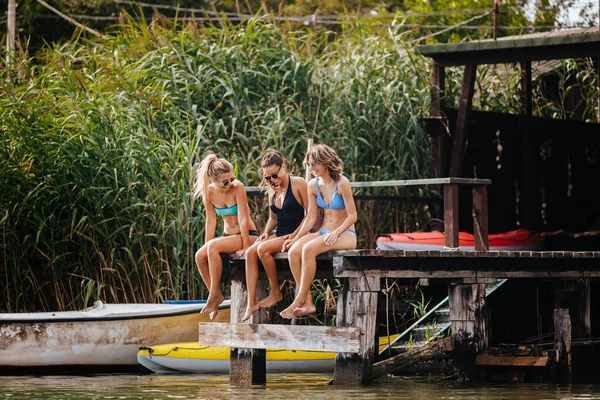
323,154
271,158
211,167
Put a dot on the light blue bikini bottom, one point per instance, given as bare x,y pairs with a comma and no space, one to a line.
324,232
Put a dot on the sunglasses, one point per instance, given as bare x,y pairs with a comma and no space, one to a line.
275,175
228,181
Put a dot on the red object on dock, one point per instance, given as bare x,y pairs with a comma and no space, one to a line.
517,240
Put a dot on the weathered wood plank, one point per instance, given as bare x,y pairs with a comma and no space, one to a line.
562,344
357,306
247,367
402,361
292,337
468,315
451,229
511,361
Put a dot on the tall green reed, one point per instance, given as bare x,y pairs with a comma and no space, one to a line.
101,140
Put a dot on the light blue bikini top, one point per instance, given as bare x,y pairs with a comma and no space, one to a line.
337,201
233,210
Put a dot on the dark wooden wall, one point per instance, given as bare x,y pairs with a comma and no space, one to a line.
557,142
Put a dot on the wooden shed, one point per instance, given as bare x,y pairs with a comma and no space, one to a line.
549,167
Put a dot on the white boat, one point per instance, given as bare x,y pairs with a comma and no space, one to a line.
101,336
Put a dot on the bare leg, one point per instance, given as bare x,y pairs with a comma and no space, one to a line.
303,303
201,258
215,267
251,280
265,253
296,260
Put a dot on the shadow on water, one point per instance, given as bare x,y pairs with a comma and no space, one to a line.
279,386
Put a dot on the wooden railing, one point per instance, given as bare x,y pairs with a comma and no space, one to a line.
450,185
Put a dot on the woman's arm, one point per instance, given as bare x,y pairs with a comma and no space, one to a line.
211,219
303,192
271,222
309,219
345,191
243,214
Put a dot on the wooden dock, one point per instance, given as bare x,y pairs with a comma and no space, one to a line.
354,338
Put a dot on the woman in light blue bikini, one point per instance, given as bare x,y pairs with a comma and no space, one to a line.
225,196
336,233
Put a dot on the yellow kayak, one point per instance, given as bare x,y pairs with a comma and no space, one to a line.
190,357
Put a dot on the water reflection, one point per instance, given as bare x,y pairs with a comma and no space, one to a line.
279,386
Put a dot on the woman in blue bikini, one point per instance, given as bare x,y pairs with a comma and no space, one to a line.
330,191
225,196
287,202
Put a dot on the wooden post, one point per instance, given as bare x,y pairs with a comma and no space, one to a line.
468,314
11,16
357,306
309,145
562,344
480,218
247,366
462,120
529,183
576,297
451,216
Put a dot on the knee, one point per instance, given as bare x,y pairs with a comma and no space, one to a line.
263,251
295,252
213,250
309,252
252,251
201,256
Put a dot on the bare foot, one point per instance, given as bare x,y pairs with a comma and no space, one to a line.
270,300
305,310
212,304
213,314
288,313
252,308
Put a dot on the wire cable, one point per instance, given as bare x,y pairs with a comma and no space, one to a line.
71,20
453,27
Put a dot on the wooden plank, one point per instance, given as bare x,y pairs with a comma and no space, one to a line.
282,337
357,306
451,229
462,120
480,218
406,182
511,361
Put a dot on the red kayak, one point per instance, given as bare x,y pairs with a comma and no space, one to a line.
517,240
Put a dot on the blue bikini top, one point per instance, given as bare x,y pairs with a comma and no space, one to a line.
337,201
233,210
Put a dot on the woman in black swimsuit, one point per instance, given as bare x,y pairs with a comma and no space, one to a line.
288,200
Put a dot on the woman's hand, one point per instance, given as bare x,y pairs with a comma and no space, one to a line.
240,253
287,244
262,237
331,237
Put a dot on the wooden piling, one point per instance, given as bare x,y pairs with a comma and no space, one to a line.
247,366
562,344
468,314
357,306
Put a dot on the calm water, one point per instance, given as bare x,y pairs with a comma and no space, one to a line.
290,387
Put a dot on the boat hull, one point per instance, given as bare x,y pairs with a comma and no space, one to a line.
517,240
195,359
111,338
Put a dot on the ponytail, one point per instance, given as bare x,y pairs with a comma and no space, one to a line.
210,167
